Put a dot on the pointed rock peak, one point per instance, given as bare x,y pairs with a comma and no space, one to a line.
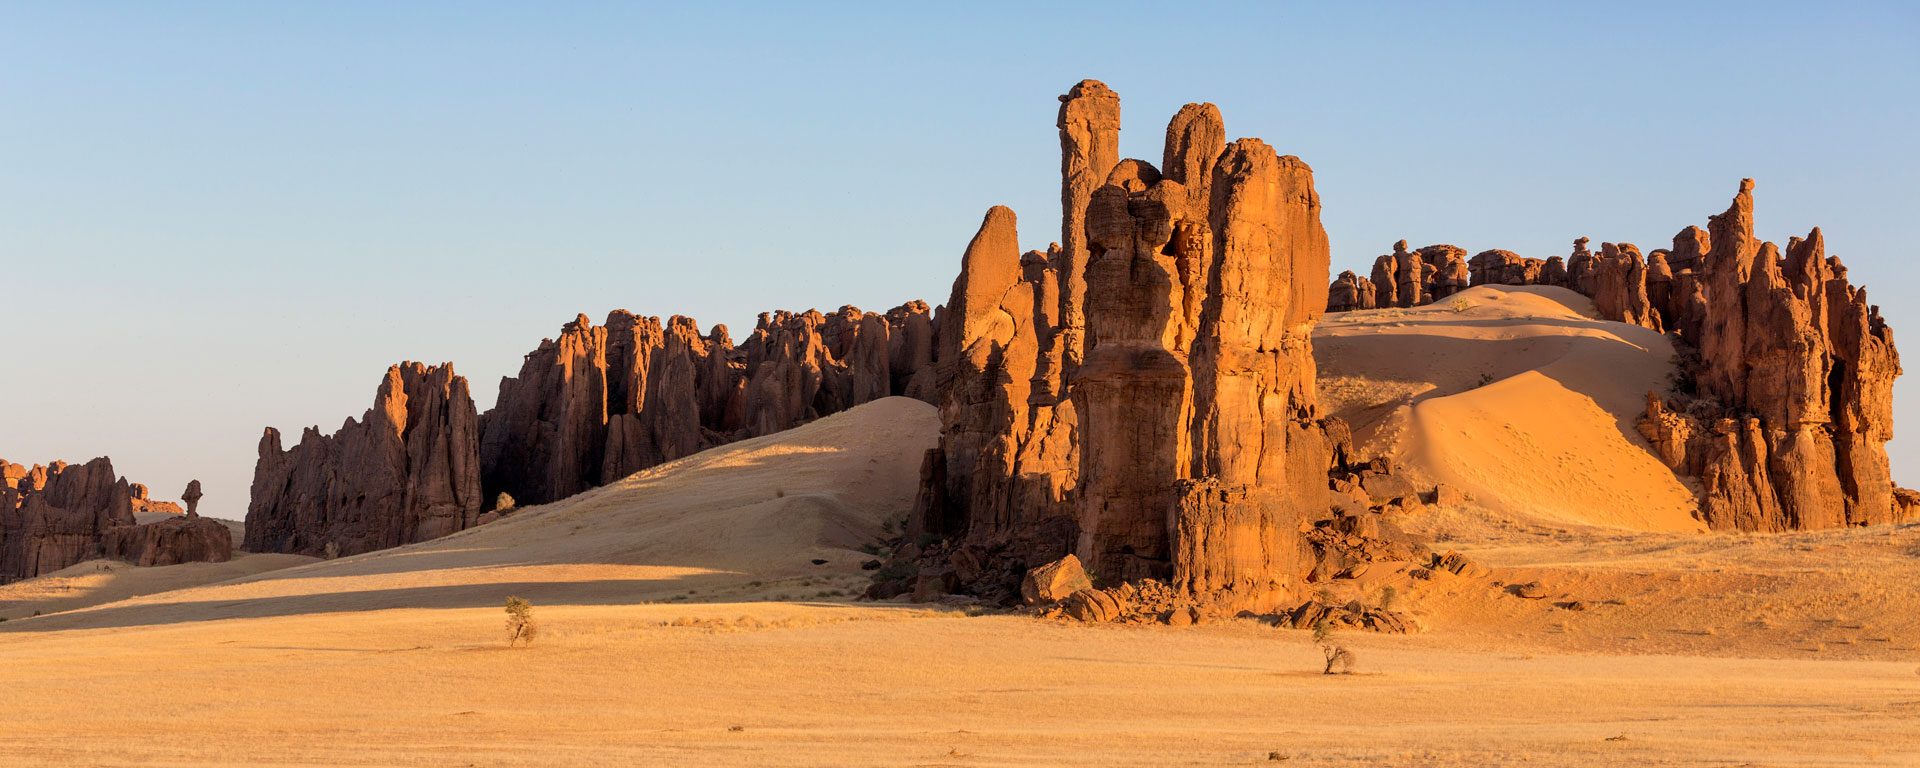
991,262
1195,138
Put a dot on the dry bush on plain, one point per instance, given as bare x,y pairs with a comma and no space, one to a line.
1339,659
521,628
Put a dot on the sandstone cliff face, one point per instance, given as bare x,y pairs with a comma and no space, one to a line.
593,405
1089,148
1006,459
405,472
1183,446
57,515
1795,372
54,516
1620,286
599,403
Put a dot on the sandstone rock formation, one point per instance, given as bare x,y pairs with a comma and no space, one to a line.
1186,449
1448,270
186,539
1403,279
1089,148
1620,286
1054,581
599,403
1792,408
1624,286
1786,423
1411,275
405,472
57,515
591,406
192,498
54,516
1350,292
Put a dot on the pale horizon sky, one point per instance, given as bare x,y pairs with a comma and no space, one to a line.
216,217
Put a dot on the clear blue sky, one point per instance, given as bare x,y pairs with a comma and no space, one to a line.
217,217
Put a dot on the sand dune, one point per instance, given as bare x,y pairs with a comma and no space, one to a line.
1518,396
746,519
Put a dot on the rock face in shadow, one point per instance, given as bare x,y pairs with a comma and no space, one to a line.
1790,408
171,541
405,472
1089,126
1350,292
60,514
599,403
1183,447
593,405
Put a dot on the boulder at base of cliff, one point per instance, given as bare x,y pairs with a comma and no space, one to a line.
1054,581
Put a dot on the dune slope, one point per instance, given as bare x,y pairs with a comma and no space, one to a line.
748,519
1518,396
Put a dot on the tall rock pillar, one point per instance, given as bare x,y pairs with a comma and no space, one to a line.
1089,149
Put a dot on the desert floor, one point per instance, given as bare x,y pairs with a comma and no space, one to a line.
685,620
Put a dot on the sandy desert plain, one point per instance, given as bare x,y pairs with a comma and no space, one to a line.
704,612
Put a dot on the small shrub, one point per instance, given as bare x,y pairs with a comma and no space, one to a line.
1485,379
521,628
503,502
1339,659
1388,596
332,550
1461,305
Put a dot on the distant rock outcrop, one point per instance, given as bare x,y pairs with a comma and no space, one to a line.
1791,399
591,406
599,403
1403,279
60,514
170,541
405,472
1350,292
1786,372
